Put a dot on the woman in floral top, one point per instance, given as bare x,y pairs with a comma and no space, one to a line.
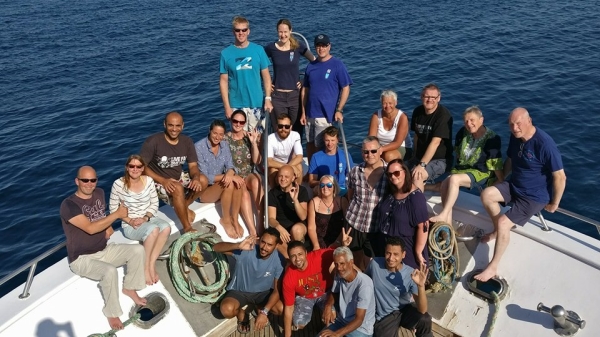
478,161
246,156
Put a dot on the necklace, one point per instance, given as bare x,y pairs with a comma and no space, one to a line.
328,207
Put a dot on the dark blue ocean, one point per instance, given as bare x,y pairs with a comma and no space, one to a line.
85,82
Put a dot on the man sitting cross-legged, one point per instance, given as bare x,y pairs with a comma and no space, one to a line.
306,282
394,283
254,281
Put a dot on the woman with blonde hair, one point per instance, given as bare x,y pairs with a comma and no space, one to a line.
138,193
326,213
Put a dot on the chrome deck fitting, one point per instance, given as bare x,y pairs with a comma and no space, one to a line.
566,322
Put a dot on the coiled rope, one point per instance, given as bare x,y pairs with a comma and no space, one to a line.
443,250
189,248
113,331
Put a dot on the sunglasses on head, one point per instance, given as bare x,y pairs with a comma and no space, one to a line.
235,121
372,151
328,185
286,126
237,30
394,173
85,180
131,166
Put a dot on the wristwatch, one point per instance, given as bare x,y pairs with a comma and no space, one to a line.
268,98
423,164
265,312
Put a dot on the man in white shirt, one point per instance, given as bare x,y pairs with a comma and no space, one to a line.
284,148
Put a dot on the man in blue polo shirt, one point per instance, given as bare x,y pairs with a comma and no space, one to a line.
254,281
326,90
537,182
242,67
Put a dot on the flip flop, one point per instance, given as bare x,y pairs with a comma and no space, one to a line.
243,327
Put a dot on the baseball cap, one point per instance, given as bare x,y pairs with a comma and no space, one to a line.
321,39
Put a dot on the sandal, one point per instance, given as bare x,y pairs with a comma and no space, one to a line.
243,327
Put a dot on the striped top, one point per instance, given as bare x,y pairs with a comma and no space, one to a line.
138,203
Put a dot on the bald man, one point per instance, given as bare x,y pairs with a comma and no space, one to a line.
288,208
538,181
166,152
88,228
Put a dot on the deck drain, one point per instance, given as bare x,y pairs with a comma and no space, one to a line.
156,308
484,289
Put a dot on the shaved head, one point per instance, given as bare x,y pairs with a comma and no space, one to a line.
286,169
520,124
86,171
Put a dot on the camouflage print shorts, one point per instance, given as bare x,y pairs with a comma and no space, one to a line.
184,179
303,309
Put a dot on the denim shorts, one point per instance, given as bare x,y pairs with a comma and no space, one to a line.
142,232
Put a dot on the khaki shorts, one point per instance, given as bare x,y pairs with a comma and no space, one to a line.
314,130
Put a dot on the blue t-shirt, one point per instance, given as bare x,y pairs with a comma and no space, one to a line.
357,294
253,274
325,80
243,66
286,65
533,163
393,290
323,164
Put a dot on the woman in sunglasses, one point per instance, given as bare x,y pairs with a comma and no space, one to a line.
138,193
403,214
246,156
285,55
326,213
216,163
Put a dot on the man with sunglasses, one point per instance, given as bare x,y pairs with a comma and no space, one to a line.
242,66
284,148
88,228
329,161
366,185
537,182
432,125
325,92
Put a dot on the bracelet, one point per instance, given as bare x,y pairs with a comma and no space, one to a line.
268,98
265,312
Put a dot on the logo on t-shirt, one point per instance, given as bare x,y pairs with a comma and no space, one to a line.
244,64
327,73
267,274
291,56
95,212
168,162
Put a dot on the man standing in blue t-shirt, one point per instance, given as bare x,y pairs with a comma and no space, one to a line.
326,90
242,66
395,283
538,181
254,281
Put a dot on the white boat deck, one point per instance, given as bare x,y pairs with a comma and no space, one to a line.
559,267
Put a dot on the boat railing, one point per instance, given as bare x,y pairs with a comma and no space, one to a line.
31,265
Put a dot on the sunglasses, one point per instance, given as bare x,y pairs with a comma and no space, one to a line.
85,180
131,166
395,173
237,30
328,185
286,126
371,151
235,121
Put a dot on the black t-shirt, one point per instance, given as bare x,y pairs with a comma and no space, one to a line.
166,159
78,241
437,124
286,213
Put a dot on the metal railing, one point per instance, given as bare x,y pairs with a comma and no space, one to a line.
32,265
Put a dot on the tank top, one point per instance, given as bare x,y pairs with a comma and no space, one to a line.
387,136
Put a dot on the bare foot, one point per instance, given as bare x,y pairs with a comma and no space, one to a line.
115,323
148,276
485,275
153,275
488,237
191,216
229,229
155,278
134,296
238,229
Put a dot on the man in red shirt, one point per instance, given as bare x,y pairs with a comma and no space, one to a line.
306,282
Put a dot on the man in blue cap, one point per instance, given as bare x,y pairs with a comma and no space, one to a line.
326,90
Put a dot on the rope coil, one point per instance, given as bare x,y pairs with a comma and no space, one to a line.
443,250
189,248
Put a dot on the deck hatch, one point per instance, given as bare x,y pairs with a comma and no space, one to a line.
484,289
156,308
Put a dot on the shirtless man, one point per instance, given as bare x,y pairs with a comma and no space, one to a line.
165,152
88,228
538,181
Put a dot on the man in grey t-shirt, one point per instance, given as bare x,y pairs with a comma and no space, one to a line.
394,284
352,294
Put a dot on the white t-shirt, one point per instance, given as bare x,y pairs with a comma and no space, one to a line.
282,149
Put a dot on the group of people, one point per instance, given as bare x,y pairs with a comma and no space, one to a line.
376,210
